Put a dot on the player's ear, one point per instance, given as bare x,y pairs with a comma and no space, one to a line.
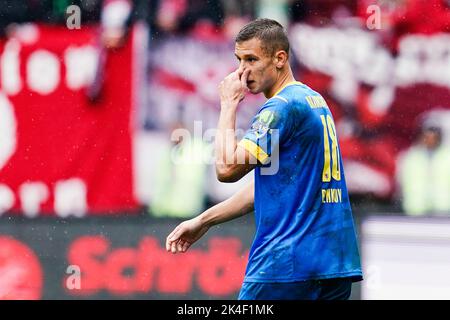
281,58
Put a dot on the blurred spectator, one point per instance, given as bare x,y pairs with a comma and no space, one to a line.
180,179
318,12
117,17
424,175
273,9
237,14
187,16
114,22
239,8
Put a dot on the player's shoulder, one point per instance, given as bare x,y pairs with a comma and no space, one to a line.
303,98
295,93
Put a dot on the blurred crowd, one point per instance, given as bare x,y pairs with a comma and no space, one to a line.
186,16
422,170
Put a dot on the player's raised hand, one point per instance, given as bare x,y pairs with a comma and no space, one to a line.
234,87
184,235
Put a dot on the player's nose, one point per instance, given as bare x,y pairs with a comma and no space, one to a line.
242,66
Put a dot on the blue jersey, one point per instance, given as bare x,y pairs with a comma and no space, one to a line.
304,223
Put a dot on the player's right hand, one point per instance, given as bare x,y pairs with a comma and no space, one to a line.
234,87
184,235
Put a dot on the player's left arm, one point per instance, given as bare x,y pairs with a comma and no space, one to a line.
232,161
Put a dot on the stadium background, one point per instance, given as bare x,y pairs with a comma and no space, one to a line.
89,185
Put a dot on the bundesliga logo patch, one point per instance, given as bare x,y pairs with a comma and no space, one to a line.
262,125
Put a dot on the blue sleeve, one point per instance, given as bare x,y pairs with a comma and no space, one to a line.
270,127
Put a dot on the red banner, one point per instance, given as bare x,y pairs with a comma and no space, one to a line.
59,152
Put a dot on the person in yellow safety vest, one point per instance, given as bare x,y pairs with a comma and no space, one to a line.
179,186
424,175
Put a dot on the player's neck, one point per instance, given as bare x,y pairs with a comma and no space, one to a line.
284,79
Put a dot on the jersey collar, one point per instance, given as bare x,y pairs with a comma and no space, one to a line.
286,85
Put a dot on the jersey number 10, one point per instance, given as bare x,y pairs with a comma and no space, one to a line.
331,167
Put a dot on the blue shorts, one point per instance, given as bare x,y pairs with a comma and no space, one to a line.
327,289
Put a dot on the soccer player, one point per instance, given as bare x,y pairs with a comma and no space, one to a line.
305,246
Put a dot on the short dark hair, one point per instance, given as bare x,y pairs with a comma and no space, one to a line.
272,35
